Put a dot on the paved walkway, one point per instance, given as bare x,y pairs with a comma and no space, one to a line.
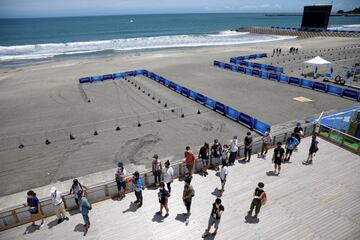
321,201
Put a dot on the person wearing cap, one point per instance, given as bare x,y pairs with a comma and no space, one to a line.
278,157
188,194
189,160
58,205
266,143
168,175
258,200
85,207
215,216
216,153
233,150
120,174
156,169
75,188
137,181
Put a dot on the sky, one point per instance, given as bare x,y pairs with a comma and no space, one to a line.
63,8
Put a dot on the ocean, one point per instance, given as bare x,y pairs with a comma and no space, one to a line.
29,41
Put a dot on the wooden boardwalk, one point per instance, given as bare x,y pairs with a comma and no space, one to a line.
321,201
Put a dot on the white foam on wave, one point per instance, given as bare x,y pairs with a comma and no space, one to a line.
48,50
348,27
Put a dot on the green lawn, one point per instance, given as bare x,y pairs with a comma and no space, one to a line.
338,138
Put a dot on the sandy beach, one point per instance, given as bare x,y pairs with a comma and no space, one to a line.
46,96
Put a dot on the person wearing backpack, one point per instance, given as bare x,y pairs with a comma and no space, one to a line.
258,200
75,188
163,195
85,207
216,153
188,194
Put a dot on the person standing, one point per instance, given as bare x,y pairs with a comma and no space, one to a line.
75,188
233,150
156,169
163,195
34,207
168,174
216,153
312,150
85,207
58,205
137,181
215,216
120,175
299,132
224,171
188,194
266,143
258,200
204,156
248,142
291,143
189,160
278,157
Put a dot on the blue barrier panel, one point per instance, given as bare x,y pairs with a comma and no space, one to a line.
139,72
270,68
227,66
294,80
335,90
152,75
221,64
232,113
178,88
241,69
307,83
119,75
243,63
264,74
351,94
252,56
262,55
234,68
284,78
167,82
260,126
256,65
240,58
233,60
172,85
250,64
279,69
248,71
108,76
96,78
220,107
145,72
273,76
255,72
192,94
246,119
246,57
201,98
216,63
185,91
319,86
210,102
161,80
130,73
263,66
84,80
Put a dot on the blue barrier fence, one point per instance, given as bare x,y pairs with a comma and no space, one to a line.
323,87
228,111
242,62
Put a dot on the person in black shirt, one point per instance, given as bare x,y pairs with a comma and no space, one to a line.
215,217
258,200
248,142
204,156
278,157
216,153
163,195
298,131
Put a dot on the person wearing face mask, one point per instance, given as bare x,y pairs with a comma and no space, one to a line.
58,205
163,195
120,179
34,207
168,174
215,217
75,189
258,200
156,169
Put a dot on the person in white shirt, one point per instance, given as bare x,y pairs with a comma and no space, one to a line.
266,143
233,150
224,171
168,174
58,205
